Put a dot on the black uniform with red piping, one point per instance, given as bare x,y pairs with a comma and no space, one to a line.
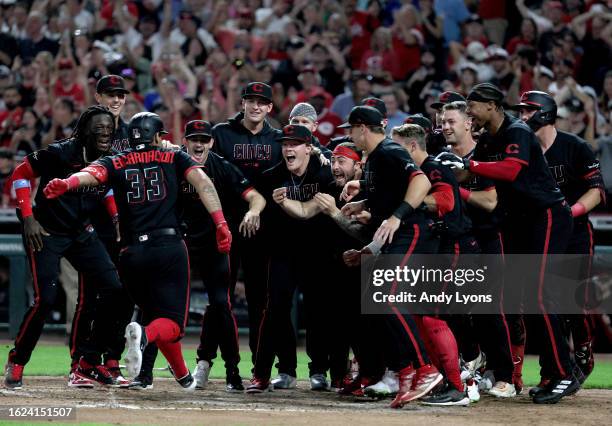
537,220
67,220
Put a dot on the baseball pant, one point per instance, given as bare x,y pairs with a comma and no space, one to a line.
219,329
87,254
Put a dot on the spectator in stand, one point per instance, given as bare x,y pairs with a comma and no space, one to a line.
11,115
493,13
7,165
454,13
500,62
63,121
432,26
27,138
361,85
66,85
363,23
35,40
473,30
528,36
407,40
395,116
328,122
380,58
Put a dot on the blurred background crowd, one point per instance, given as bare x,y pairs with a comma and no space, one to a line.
188,59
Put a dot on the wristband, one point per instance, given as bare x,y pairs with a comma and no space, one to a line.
73,182
465,194
217,217
578,209
403,210
374,247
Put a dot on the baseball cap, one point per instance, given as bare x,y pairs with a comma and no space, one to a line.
446,98
377,103
111,83
258,89
419,120
198,128
486,92
477,51
363,115
304,109
296,132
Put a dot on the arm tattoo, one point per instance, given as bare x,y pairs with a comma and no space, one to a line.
353,228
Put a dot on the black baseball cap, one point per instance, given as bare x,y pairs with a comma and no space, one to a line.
258,89
377,103
446,98
198,128
111,83
296,132
419,120
486,92
367,115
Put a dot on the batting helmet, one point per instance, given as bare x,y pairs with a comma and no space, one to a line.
545,106
142,129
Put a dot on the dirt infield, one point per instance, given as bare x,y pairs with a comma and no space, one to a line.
167,404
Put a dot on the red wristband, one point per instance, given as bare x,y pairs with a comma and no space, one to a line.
578,209
217,217
465,194
73,182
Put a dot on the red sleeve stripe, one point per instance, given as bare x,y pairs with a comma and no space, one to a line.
518,160
190,169
246,191
489,188
591,174
413,174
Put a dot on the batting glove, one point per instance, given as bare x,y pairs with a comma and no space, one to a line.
55,188
453,161
224,238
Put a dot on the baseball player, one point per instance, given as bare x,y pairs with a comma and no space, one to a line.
401,228
480,197
298,177
576,171
219,325
62,228
436,142
249,142
154,262
538,219
111,93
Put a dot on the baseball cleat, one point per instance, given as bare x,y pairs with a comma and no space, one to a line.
284,381
386,387
447,396
233,383
583,355
77,380
259,386
201,373
95,373
112,366
424,380
318,382
486,381
471,367
472,390
141,382
13,375
135,340
502,390
556,390
540,387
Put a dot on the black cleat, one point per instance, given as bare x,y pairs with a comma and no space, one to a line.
141,382
556,390
234,383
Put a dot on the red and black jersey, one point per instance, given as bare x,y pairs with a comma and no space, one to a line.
283,231
70,213
252,154
387,173
146,187
574,166
445,190
121,138
231,185
482,220
534,186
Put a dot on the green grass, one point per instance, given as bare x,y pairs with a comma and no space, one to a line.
53,360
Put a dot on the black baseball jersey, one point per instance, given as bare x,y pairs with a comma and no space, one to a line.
230,184
458,224
285,232
482,220
252,154
574,166
121,138
70,213
534,186
387,173
146,187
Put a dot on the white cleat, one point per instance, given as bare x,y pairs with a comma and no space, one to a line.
135,341
503,390
200,374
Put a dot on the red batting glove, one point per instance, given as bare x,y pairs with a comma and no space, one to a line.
224,238
56,187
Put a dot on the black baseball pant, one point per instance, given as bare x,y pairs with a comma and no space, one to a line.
541,233
88,256
219,329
